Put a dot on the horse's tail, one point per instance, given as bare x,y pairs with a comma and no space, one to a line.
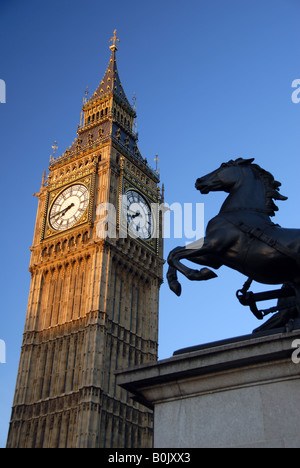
173,282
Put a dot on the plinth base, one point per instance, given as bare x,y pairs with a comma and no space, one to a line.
238,393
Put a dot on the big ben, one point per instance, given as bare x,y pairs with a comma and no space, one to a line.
94,297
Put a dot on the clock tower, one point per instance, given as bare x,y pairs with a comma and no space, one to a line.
96,269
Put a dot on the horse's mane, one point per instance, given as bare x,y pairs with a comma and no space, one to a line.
272,186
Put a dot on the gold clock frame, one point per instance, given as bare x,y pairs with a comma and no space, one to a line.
152,242
86,218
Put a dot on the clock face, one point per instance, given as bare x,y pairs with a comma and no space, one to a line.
139,215
69,207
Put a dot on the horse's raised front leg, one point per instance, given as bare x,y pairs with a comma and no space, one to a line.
173,282
194,275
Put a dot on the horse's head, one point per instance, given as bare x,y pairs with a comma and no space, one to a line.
259,188
224,178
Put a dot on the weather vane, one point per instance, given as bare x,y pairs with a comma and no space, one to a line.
114,39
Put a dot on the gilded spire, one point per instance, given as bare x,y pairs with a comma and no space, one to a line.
114,39
111,83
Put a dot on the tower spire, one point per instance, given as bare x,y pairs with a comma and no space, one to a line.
111,83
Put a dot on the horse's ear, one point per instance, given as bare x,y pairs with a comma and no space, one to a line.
277,196
249,161
244,162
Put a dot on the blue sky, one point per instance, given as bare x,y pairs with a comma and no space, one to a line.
213,82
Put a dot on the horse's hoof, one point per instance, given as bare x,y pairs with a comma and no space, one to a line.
175,287
209,274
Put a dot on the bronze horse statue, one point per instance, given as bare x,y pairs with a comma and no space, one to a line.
243,237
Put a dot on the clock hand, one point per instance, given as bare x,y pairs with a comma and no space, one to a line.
63,212
136,215
67,209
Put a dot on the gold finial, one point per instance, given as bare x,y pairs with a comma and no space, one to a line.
54,147
44,178
156,159
86,94
114,39
84,101
42,185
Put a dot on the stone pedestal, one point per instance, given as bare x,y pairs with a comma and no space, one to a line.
243,392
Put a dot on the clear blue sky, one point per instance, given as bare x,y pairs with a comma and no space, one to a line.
213,82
